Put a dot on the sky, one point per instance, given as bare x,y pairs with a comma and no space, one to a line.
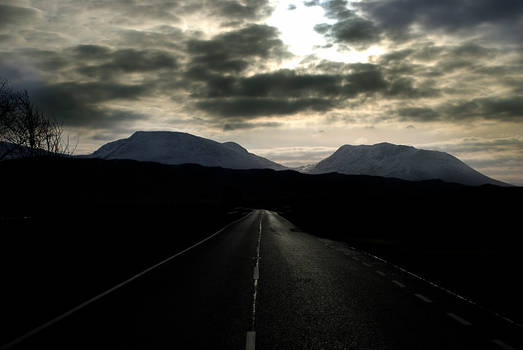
288,80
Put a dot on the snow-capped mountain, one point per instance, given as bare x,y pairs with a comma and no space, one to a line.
179,148
403,162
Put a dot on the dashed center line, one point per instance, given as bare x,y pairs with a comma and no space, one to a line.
398,283
348,253
250,338
459,319
422,297
502,344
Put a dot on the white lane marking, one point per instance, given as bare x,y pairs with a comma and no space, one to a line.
459,319
398,283
355,258
250,340
381,273
111,290
256,274
502,344
422,297
367,264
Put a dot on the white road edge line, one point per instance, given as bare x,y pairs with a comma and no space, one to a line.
448,291
366,264
422,297
111,290
381,273
459,319
502,344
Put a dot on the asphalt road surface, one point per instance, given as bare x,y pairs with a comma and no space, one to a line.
260,283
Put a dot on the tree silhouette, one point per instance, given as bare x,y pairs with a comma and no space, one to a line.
28,131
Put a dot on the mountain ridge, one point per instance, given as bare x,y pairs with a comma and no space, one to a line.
169,147
401,161
382,159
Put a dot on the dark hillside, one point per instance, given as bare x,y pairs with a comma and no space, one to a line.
70,228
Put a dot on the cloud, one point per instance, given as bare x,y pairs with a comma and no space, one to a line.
398,17
128,61
350,28
249,107
247,10
311,3
233,51
285,92
423,114
508,109
247,126
15,16
82,104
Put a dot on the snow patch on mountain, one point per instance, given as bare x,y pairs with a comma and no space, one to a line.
180,148
399,161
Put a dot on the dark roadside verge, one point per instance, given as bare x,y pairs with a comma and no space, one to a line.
465,239
71,230
91,224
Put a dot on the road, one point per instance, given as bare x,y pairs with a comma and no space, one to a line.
262,284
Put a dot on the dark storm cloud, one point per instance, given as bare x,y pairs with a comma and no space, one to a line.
80,104
246,125
14,16
508,109
367,22
350,28
249,10
408,88
136,12
494,145
96,61
398,16
233,51
356,30
423,114
129,61
336,9
290,84
286,92
445,14
312,3
162,37
90,52
248,108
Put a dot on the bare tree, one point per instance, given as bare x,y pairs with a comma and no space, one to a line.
28,131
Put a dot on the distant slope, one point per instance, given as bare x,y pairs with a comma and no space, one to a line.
11,151
181,148
403,162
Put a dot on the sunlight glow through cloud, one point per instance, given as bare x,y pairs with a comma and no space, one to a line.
297,32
